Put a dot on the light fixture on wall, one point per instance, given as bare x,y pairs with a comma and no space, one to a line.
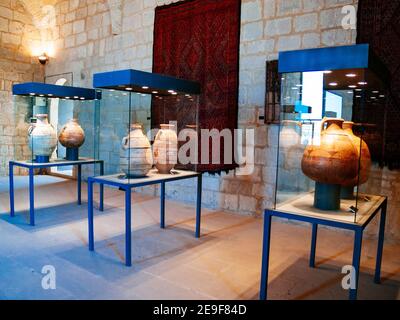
43,58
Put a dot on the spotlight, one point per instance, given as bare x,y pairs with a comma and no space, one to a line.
43,58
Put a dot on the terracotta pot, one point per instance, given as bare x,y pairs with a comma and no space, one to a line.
136,158
335,159
165,149
72,134
42,137
363,152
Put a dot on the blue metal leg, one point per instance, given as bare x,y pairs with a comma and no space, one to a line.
265,255
128,228
90,214
198,205
11,186
101,188
356,261
381,239
313,244
31,198
162,206
79,184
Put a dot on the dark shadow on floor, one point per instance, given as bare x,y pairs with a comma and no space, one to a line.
50,216
151,245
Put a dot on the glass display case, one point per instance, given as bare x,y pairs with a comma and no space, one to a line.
148,124
55,123
324,156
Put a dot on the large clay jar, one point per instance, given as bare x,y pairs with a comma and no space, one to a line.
331,163
42,137
363,153
165,149
72,134
335,159
136,158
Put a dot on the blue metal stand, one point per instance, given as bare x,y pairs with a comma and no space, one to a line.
162,206
11,184
315,221
347,193
128,228
327,196
90,213
198,205
377,278
265,256
72,154
313,244
42,159
79,184
101,208
127,185
31,197
356,260
31,166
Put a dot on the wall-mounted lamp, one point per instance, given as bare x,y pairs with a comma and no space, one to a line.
43,58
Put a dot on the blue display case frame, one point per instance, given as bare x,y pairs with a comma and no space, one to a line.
144,82
38,89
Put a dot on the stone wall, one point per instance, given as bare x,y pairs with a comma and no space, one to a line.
101,35
17,36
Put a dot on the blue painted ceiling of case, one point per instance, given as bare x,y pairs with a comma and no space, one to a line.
37,89
144,82
357,56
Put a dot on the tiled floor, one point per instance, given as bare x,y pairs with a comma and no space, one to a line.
170,264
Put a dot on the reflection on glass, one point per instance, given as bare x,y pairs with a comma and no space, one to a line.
324,152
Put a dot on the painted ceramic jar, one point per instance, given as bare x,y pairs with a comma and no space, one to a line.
136,159
165,149
334,160
363,153
42,137
72,134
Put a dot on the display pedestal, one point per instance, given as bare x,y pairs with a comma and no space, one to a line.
126,185
347,193
32,166
301,209
72,154
42,159
327,196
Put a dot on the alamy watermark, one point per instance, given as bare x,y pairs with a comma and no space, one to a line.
349,280
213,146
49,277
349,20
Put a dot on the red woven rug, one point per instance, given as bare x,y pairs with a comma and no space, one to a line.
199,40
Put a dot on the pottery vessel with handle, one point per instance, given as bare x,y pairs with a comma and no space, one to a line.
165,149
136,159
335,159
42,137
363,153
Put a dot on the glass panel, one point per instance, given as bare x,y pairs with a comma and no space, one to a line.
130,146
322,158
55,130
